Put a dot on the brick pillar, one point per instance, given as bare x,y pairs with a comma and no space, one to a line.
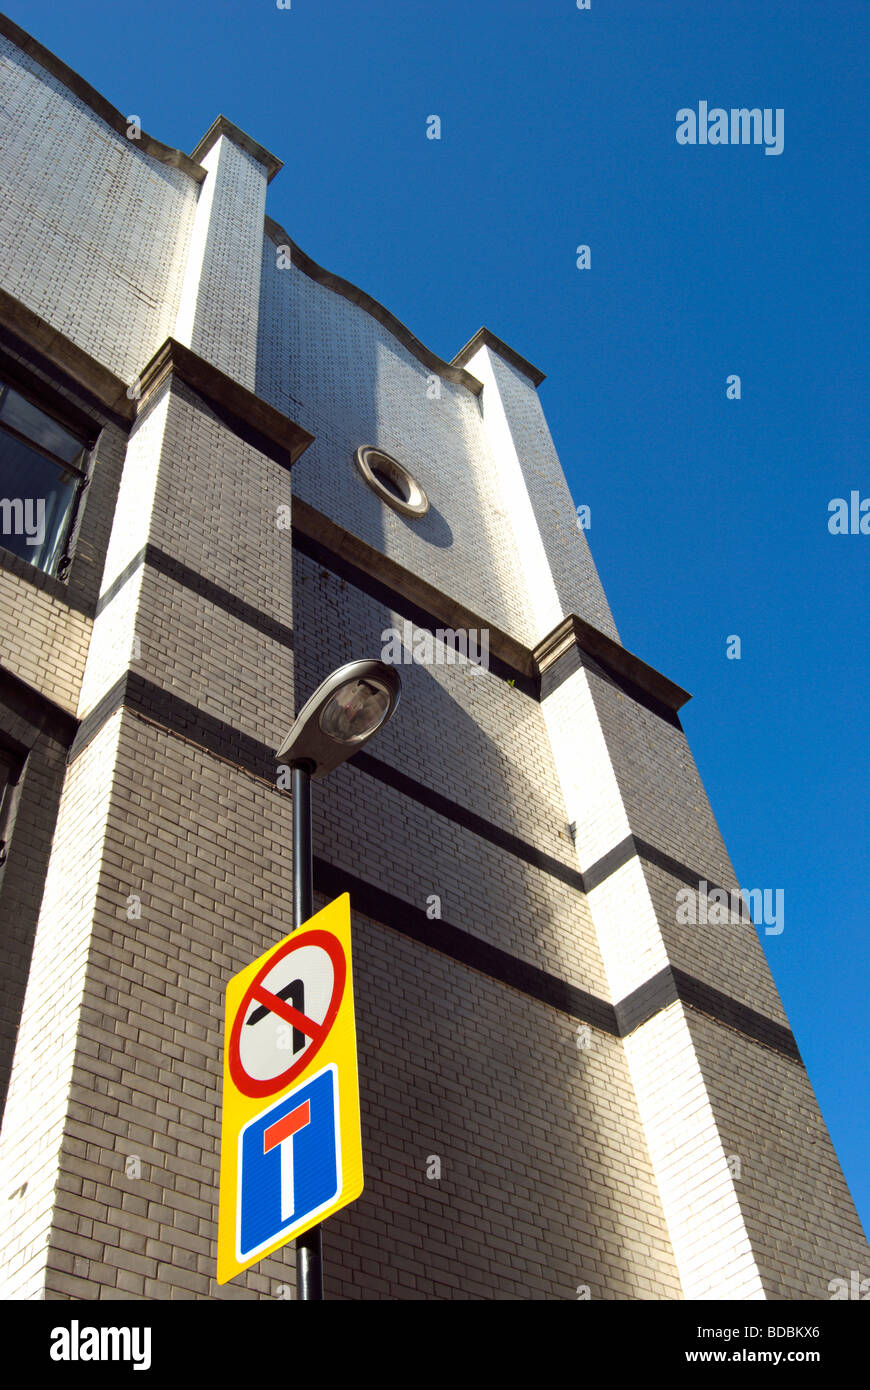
754,1197
217,312
752,1191
153,894
558,569
155,891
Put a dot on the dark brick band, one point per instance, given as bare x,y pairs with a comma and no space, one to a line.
461,946
137,693
196,583
633,847
672,984
452,811
216,736
397,602
664,989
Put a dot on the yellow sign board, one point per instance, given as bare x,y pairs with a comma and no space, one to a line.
291,1148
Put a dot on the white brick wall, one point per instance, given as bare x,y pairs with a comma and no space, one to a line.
559,572
51,1040
706,1225
344,376
94,230
222,277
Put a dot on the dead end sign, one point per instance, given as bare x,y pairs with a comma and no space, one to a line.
291,1150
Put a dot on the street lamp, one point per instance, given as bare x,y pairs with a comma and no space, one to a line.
342,714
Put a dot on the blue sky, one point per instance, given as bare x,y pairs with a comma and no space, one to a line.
709,516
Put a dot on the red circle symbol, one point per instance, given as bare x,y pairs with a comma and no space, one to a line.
256,993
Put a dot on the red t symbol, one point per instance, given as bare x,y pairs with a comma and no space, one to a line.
281,1134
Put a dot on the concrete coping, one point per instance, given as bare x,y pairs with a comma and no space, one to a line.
253,418
315,272
572,631
222,126
106,389
445,610
577,632
97,103
484,338
451,371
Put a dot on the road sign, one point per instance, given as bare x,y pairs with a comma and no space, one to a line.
287,1011
291,1150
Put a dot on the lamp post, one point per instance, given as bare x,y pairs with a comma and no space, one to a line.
342,714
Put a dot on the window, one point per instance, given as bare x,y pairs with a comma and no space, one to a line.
391,481
10,775
42,475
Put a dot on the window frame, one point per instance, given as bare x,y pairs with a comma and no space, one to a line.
371,460
12,762
44,395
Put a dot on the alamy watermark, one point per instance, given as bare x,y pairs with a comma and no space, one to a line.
740,126
17,518
716,907
854,1288
78,1343
446,646
850,518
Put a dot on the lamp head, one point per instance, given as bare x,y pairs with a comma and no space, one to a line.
342,714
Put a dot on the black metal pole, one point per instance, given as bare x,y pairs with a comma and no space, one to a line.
303,896
309,1256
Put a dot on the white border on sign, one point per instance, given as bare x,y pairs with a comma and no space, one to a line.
286,1232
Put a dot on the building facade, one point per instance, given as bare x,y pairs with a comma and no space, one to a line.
567,1091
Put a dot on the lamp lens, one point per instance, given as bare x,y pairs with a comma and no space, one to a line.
355,711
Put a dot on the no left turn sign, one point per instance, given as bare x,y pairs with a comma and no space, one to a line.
286,1013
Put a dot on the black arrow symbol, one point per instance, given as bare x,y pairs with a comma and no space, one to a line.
295,992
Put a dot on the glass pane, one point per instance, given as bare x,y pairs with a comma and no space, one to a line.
25,418
355,711
36,500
